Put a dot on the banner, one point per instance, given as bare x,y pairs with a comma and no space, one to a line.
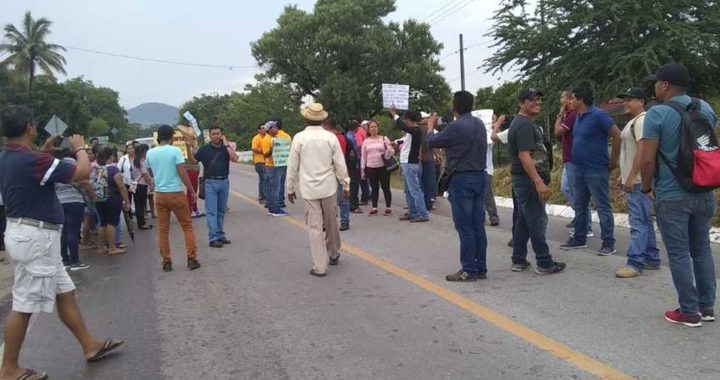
397,94
178,142
486,116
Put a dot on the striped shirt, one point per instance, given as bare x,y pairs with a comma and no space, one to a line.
68,193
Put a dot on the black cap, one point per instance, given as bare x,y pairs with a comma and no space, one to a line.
635,93
529,94
673,73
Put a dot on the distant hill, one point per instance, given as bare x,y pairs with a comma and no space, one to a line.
148,114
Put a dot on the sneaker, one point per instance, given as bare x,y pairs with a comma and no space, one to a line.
316,274
200,214
652,266
676,316
460,276
420,220
557,268
344,226
589,234
405,217
607,250
67,265
193,264
225,241
334,261
388,212
167,267
278,213
572,244
520,267
627,272
79,266
373,212
495,222
216,244
707,315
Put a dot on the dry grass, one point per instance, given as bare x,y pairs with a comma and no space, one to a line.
501,187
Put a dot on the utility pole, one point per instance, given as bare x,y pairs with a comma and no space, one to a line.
462,64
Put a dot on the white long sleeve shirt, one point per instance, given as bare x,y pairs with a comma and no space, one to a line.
316,164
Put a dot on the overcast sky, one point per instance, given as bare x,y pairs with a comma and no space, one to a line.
217,32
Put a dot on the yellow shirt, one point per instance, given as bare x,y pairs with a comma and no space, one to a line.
257,144
266,144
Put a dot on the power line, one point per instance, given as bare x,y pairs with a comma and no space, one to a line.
93,51
449,12
479,44
434,13
471,73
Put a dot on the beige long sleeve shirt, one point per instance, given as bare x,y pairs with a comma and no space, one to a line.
316,164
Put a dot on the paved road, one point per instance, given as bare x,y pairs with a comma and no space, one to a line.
253,311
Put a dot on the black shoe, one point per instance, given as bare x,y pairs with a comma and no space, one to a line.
167,267
572,244
225,241
461,276
520,267
405,217
420,220
334,261
344,226
312,272
556,268
495,222
193,264
216,244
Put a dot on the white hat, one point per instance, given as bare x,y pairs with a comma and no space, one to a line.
314,112
424,114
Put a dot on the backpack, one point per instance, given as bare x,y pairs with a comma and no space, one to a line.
698,155
99,183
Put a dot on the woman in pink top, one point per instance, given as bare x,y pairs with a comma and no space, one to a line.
372,166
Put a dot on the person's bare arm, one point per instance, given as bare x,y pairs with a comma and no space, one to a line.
560,130
615,137
82,169
496,129
647,166
118,179
191,154
529,167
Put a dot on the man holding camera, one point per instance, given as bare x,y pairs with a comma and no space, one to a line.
530,171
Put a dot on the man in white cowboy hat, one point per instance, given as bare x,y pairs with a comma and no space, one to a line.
315,166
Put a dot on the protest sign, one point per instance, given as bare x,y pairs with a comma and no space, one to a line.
193,122
55,126
396,94
486,116
179,140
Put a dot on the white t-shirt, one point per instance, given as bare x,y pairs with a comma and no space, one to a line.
628,147
405,148
125,166
489,167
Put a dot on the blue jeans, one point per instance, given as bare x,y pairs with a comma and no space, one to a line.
70,239
531,224
597,184
260,170
429,182
272,189
413,192
685,228
344,206
467,199
642,249
217,192
567,184
281,175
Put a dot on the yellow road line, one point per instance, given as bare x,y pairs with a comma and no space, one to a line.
560,350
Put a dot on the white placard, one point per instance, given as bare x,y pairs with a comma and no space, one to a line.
486,116
397,94
193,122
55,126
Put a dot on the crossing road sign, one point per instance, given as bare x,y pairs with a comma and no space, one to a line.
55,126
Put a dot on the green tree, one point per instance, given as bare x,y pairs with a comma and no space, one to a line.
98,127
343,51
608,44
28,47
502,100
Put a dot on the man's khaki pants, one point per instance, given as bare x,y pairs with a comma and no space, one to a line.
323,244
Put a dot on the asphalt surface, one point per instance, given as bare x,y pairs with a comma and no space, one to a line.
253,311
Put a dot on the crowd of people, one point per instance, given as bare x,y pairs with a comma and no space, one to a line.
59,199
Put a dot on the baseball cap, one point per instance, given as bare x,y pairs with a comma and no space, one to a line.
673,73
635,93
529,94
424,114
270,124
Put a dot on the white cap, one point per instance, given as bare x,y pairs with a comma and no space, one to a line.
365,122
424,114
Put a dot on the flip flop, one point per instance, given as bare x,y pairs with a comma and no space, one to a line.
32,375
109,346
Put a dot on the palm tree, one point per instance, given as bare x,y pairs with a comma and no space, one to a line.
28,48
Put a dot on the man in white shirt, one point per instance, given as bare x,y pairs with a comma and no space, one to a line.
315,166
489,196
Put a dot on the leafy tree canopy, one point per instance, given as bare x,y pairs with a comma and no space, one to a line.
609,44
343,51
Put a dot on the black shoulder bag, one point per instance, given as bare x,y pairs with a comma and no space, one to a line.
444,181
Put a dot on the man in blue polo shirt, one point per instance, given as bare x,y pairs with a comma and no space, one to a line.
593,128
35,217
683,217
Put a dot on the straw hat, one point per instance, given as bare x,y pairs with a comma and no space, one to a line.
314,112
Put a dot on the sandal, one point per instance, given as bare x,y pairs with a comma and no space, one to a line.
116,252
357,211
30,374
146,227
373,212
121,246
109,346
387,212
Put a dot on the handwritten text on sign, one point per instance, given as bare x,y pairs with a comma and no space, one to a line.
397,94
